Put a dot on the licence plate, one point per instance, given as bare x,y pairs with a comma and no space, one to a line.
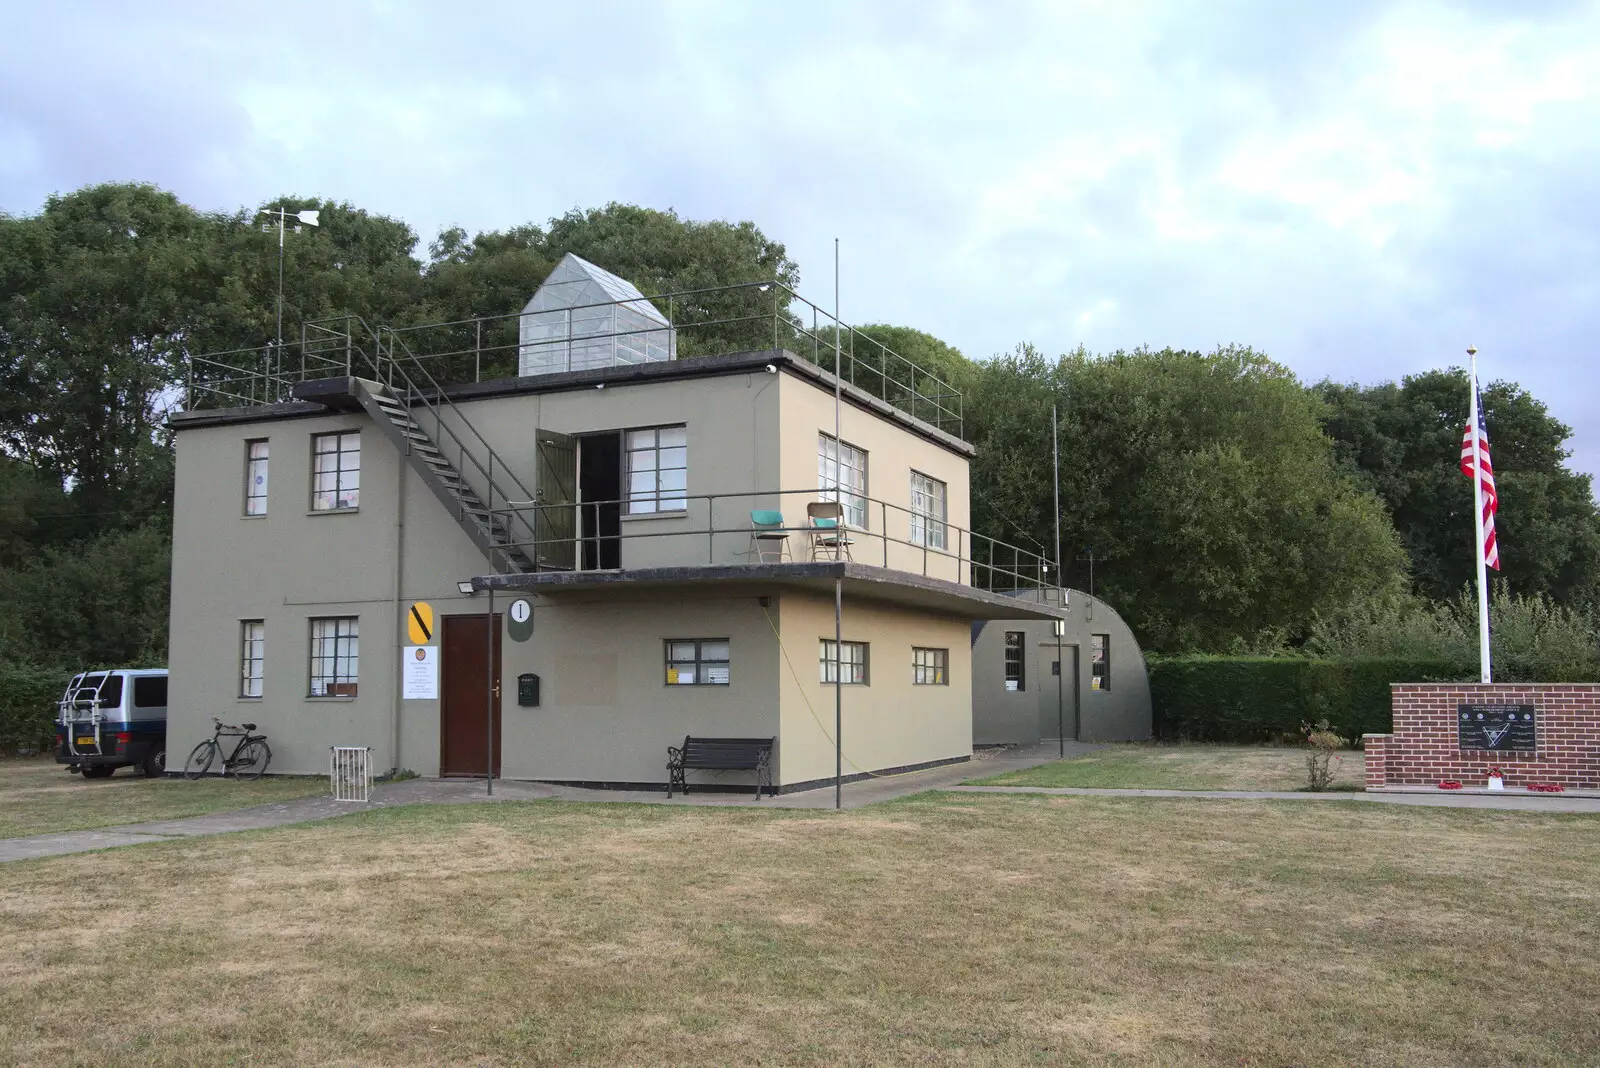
85,741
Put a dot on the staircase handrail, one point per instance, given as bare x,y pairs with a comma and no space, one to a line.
441,429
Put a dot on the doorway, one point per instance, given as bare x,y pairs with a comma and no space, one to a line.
1054,719
464,708
600,482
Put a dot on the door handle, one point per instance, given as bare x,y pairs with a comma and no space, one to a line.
497,687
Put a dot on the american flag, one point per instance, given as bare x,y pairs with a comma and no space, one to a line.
1475,462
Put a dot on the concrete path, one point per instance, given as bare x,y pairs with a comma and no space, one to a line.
1440,799
471,791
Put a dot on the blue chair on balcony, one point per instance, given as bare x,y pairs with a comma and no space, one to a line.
769,538
830,538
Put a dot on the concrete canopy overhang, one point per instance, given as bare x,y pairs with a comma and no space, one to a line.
864,581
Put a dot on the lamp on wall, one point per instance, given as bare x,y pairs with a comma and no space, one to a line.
466,588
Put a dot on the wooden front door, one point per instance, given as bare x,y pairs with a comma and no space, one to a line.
464,710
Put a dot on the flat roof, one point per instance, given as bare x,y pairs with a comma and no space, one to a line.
864,581
310,393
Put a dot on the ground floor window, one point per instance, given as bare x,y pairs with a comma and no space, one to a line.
252,656
852,662
1100,654
335,654
697,661
1014,671
929,667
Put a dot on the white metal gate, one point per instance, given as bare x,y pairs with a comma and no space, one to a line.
350,773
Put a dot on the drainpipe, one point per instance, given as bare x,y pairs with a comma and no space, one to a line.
399,609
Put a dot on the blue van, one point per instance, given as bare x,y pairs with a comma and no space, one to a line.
114,719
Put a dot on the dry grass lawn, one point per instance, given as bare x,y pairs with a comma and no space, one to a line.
940,930
39,797
1152,766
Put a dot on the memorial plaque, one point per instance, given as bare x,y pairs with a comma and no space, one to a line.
1497,728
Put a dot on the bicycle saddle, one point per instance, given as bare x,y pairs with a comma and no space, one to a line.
248,726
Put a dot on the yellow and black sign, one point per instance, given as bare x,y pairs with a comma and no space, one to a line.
419,623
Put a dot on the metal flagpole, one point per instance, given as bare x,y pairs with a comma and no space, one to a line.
1485,671
838,541
281,212
1061,674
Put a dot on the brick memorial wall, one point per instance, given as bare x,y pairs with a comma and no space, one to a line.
1444,731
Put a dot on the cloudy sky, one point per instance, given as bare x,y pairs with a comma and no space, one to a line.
1359,189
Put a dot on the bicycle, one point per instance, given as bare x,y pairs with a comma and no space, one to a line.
249,758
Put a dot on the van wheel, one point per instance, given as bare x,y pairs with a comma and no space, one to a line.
155,762
97,771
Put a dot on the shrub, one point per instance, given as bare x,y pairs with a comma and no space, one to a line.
1247,699
1321,744
28,696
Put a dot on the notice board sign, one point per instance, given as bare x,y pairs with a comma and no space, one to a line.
419,673
1497,728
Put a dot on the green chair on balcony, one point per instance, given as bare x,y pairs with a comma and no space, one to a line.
769,538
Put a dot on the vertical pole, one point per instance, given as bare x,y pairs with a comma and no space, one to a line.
1055,450
488,690
477,350
1485,669
838,581
280,277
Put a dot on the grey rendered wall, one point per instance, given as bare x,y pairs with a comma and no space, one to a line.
1120,713
606,712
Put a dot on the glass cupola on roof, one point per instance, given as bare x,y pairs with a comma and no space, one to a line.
584,317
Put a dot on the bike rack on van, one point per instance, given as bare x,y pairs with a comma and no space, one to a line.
77,698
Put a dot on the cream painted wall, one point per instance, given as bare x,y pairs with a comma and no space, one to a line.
892,453
889,722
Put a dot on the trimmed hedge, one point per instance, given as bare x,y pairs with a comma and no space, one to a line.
1244,699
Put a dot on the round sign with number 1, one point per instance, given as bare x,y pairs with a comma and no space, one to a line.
521,614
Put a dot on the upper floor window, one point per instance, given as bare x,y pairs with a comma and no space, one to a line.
255,477
1100,658
335,470
927,511
842,477
658,469
1015,679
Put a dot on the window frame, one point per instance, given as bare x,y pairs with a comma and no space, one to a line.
702,663
250,461
939,665
927,529
246,659
850,496
1100,662
847,666
347,684
339,452
661,500
1016,653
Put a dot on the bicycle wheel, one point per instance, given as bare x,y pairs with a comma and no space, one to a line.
252,761
200,759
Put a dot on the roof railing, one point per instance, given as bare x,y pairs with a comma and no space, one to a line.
711,321
710,528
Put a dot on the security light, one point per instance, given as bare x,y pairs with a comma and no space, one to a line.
771,370
465,586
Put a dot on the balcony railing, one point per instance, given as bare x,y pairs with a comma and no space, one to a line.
718,528
725,319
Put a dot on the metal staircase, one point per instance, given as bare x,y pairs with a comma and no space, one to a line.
414,412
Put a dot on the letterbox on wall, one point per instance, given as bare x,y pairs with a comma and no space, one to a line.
528,690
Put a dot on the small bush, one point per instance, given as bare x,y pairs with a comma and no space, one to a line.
1321,744
28,696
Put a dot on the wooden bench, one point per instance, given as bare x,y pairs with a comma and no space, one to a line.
721,754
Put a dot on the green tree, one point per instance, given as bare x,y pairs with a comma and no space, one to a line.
1202,483
1404,442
